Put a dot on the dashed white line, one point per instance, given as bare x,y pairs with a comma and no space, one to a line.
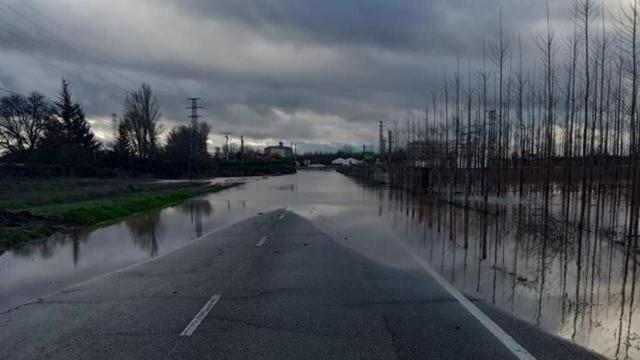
286,210
506,339
193,325
262,240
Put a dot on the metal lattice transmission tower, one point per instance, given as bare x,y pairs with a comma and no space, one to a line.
194,116
226,145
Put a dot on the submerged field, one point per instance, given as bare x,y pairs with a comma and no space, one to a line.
562,255
34,209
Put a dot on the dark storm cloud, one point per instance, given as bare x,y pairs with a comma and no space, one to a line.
423,26
380,22
320,72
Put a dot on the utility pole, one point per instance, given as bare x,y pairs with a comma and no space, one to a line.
382,144
114,126
390,149
194,107
226,146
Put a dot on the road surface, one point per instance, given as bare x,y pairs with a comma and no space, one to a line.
270,287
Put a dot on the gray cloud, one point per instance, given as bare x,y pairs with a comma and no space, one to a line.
313,72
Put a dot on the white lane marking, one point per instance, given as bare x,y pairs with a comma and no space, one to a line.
506,339
286,210
193,325
262,241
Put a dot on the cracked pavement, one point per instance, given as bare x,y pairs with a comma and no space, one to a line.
299,296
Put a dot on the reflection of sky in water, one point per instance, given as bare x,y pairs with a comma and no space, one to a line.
369,220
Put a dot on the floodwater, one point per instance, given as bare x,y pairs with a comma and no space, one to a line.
589,301
36,270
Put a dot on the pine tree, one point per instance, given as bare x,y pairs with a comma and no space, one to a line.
81,135
122,146
68,137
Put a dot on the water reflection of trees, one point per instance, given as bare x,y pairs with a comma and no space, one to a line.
46,249
534,259
197,209
145,231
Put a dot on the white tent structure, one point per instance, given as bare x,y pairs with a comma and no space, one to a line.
346,162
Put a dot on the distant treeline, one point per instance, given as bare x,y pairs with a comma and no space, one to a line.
40,137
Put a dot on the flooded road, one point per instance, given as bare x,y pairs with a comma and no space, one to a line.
35,270
537,281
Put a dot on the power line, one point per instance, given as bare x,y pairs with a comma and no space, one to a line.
89,49
11,92
79,50
83,44
36,41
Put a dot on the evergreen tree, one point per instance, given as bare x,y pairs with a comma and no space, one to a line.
81,135
122,146
68,136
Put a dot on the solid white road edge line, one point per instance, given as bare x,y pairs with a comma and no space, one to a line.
193,325
506,339
262,240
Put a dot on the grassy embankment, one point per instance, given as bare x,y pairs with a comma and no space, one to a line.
34,209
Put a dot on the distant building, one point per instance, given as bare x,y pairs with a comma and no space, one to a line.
280,151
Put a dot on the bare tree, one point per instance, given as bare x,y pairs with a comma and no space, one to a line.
500,53
22,122
141,114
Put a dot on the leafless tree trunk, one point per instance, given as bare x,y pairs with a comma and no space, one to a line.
141,114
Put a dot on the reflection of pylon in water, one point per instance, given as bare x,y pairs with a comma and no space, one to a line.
194,127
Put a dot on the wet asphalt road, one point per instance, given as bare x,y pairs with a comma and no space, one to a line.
286,291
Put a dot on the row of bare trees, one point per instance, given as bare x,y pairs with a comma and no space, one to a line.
555,135
568,119
34,130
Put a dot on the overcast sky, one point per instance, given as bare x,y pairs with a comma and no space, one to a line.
317,73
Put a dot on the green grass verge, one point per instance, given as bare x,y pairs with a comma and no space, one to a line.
13,237
63,216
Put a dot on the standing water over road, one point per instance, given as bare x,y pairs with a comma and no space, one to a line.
518,275
38,269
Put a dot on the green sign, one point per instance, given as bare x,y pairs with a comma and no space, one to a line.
368,156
